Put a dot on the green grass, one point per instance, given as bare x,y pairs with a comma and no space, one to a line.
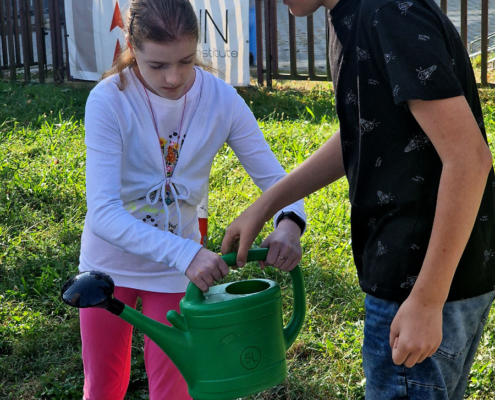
42,208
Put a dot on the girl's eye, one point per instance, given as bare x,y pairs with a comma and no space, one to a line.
156,66
187,62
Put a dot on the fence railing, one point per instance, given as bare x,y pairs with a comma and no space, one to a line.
33,40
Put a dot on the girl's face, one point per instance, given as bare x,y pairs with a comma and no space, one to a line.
167,69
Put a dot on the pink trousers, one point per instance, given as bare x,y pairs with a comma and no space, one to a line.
106,350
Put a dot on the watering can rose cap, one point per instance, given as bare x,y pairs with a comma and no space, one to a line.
236,327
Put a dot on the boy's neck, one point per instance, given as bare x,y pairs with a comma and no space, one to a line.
329,4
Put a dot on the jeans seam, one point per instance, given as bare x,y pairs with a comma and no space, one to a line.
422,384
455,356
481,323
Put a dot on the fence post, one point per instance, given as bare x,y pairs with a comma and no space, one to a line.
484,42
57,50
464,12
40,39
15,21
259,41
30,32
3,35
273,38
311,47
25,40
8,15
66,42
268,46
443,5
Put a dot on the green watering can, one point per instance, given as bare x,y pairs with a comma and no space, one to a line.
227,343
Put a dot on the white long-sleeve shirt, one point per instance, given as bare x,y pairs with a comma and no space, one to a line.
125,169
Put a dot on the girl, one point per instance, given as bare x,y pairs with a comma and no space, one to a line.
153,127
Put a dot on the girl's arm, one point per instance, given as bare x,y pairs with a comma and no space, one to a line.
416,331
322,168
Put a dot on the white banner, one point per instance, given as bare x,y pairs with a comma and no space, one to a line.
95,35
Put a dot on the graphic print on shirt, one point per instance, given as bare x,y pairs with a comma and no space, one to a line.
396,90
381,249
424,38
414,247
484,218
418,142
404,6
372,223
409,283
384,198
488,254
367,126
378,162
389,57
347,21
425,74
350,98
362,54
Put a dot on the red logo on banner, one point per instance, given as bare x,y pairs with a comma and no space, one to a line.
117,18
117,21
117,52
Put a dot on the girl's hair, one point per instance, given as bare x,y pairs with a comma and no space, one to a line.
161,21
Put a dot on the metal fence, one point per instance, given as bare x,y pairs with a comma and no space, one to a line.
33,40
25,26
269,33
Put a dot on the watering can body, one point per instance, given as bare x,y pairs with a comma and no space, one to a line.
229,342
239,342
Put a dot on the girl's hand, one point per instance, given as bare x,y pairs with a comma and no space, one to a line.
416,331
285,246
206,269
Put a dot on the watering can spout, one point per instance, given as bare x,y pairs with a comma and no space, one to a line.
172,340
95,289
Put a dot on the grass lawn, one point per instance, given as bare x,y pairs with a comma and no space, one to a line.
42,208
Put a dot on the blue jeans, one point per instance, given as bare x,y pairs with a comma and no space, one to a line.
440,377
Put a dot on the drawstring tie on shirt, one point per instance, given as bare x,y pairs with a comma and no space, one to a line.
152,198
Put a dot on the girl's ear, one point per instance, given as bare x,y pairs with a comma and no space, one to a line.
129,46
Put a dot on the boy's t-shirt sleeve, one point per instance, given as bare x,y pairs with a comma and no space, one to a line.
410,47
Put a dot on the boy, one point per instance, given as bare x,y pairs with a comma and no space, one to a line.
412,145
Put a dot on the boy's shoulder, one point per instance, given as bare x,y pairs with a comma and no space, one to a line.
369,8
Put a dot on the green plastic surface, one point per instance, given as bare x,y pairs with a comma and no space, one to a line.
229,342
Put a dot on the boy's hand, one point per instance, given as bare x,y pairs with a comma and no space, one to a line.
206,269
416,331
241,234
285,246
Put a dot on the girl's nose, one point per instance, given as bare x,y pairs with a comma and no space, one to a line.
173,78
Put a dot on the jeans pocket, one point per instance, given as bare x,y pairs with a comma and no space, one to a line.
461,321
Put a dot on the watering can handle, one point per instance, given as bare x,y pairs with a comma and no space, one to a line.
294,326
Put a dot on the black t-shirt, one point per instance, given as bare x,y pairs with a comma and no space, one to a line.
382,54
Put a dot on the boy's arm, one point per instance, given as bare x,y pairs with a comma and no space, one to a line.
322,168
416,332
